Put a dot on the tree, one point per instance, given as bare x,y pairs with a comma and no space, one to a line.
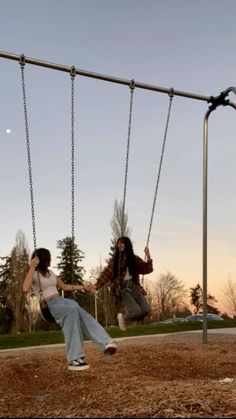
17,269
94,273
230,295
196,299
33,309
70,270
117,223
4,276
104,303
169,295
183,311
6,315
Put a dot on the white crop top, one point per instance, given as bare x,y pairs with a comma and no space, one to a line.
48,285
127,276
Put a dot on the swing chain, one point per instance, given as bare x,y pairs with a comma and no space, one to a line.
171,96
72,74
132,87
22,66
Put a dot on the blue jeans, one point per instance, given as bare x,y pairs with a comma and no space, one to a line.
134,302
75,323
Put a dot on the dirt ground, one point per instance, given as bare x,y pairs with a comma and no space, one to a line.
175,376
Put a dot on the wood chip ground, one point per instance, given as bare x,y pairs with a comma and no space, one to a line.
173,376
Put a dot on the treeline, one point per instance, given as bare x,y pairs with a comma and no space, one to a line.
19,312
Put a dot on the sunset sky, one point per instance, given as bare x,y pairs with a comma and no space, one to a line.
185,44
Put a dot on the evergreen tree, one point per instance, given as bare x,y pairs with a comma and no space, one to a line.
72,272
69,269
196,299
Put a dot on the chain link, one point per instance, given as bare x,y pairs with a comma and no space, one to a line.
72,75
72,154
132,87
22,66
171,95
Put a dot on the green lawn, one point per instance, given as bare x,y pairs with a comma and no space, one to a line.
21,340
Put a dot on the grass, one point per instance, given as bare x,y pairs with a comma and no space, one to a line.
21,340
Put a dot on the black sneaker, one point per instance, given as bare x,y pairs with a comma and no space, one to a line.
78,365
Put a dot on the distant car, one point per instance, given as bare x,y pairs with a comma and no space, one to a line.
173,320
199,317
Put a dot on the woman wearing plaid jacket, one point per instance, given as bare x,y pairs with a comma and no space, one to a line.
122,272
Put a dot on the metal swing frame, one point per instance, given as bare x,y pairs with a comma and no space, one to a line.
214,101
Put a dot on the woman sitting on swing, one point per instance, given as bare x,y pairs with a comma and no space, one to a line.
73,319
123,272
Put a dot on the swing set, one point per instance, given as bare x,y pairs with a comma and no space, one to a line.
213,101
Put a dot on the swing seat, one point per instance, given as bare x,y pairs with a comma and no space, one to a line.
46,313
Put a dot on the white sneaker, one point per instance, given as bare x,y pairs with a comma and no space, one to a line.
110,348
121,322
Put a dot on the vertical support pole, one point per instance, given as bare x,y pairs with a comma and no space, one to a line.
204,216
204,226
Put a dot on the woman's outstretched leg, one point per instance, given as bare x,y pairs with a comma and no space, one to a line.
67,315
95,332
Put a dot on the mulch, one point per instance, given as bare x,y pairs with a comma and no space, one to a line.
173,376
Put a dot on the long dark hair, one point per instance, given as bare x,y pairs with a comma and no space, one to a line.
126,259
44,259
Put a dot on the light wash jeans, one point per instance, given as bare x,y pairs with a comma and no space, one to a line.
75,323
134,302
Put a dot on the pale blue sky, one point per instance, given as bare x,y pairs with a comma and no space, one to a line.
185,44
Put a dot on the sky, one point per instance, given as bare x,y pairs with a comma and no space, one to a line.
185,44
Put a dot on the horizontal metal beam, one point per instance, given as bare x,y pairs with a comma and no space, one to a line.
112,79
